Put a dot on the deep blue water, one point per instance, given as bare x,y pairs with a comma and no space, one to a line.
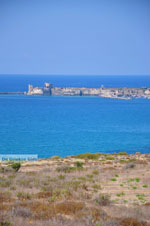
70,125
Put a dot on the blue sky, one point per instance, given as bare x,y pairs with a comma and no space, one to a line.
95,37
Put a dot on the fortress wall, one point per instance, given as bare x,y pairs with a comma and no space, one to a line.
65,91
90,91
75,91
36,91
48,89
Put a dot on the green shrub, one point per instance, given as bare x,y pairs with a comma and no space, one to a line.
55,157
131,180
123,161
89,175
79,164
16,166
120,194
61,177
113,179
92,156
134,187
141,197
122,153
110,158
82,178
137,179
96,186
132,160
95,171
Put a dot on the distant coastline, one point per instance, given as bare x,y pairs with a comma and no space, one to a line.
115,93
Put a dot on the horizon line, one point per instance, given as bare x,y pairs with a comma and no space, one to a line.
77,74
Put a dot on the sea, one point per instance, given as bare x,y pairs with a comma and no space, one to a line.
64,126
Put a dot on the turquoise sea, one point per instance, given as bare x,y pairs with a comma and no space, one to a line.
70,125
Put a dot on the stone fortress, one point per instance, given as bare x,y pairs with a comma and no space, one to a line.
118,93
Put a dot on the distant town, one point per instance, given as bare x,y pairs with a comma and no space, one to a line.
119,93
116,93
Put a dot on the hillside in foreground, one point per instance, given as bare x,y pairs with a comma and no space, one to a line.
88,189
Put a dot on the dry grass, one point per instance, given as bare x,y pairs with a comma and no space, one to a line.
69,207
78,189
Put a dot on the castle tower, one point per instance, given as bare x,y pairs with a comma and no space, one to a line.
48,85
47,88
30,89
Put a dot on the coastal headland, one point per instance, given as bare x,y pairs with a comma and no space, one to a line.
85,190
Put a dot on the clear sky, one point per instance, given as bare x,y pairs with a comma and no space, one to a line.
96,37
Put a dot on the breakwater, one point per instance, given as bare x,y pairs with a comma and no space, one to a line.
12,93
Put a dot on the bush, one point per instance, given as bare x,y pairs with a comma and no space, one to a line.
23,195
89,175
5,223
91,156
103,199
113,179
122,153
110,158
137,179
96,186
79,164
95,171
132,160
56,157
16,166
65,169
61,177
120,194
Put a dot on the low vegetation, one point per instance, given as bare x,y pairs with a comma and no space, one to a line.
16,166
90,156
85,190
